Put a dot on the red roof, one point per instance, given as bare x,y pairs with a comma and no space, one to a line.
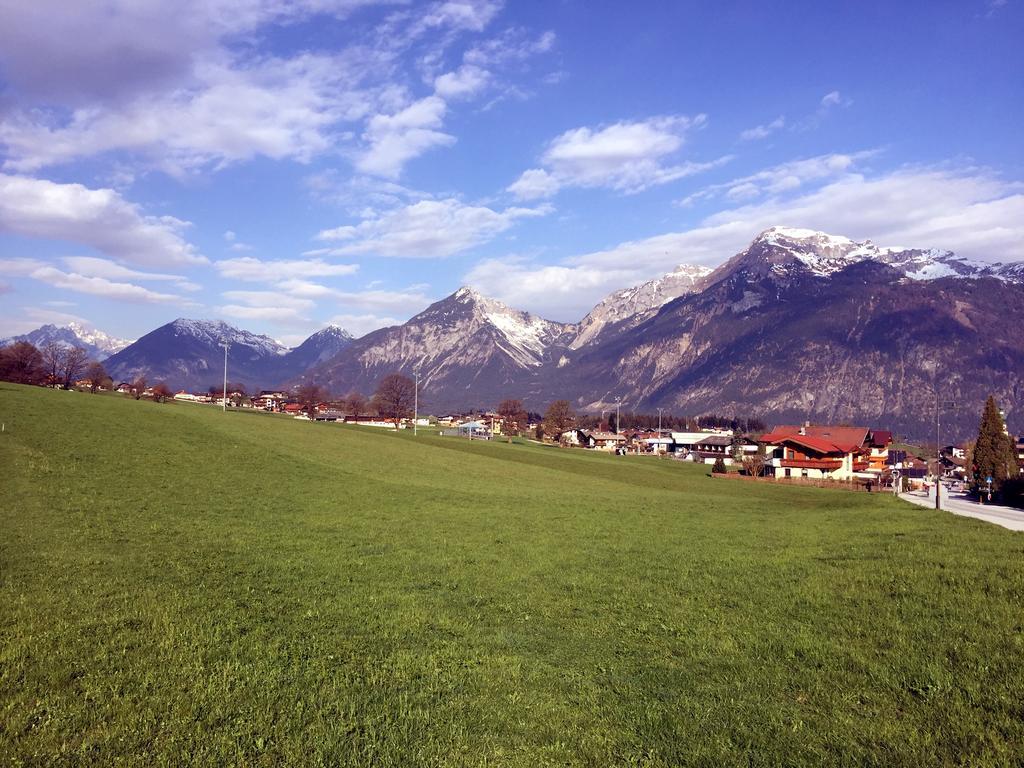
880,438
823,439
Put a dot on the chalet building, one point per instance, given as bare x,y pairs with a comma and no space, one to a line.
1020,453
576,437
826,452
608,441
714,447
684,444
270,400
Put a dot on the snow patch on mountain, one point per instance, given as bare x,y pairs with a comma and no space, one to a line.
97,343
640,302
216,332
782,251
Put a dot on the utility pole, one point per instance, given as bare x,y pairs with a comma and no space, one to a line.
415,402
938,449
659,431
617,418
938,455
224,390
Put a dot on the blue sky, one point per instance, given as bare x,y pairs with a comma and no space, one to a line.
287,165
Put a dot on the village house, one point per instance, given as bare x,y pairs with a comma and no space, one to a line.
608,441
580,438
822,452
270,400
684,444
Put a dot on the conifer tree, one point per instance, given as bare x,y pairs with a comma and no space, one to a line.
993,451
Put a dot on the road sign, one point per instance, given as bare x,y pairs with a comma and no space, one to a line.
989,480
895,474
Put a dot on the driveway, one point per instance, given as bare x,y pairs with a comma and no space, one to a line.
959,504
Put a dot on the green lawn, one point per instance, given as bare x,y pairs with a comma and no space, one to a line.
182,586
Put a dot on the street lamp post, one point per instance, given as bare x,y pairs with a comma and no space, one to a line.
224,389
938,448
415,402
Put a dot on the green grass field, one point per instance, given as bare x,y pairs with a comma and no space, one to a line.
181,586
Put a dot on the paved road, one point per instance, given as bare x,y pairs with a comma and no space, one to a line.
959,504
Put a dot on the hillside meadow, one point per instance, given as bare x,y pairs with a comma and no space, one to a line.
183,586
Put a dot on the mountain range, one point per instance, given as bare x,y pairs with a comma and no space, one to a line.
98,344
799,325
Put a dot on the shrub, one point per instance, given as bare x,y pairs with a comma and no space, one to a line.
719,466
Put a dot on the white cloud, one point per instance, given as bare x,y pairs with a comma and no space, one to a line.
970,211
396,139
834,99
284,315
91,266
30,318
558,292
268,299
252,269
97,277
275,108
466,81
763,131
535,183
99,218
784,177
427,229
100,286
360,325
512,45
625,156
19,267
270,306
181,87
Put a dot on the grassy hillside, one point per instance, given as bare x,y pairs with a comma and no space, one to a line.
183,586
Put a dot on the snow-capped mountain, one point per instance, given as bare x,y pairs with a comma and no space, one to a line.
466,348
780,253
806,325
318,348
631,306
98,344
217,332
188,354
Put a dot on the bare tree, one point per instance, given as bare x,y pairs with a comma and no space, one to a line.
138,387
53,361
97,376
73,364
558,418
394,397
21,363
310,396
754,465
513,417
356,403
161,392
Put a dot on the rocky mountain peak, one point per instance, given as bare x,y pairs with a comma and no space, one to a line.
631,306
98,344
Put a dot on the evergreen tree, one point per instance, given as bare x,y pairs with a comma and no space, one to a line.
994,454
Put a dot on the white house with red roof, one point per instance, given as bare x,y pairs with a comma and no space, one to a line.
823,452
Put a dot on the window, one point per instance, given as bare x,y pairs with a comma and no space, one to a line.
789,472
